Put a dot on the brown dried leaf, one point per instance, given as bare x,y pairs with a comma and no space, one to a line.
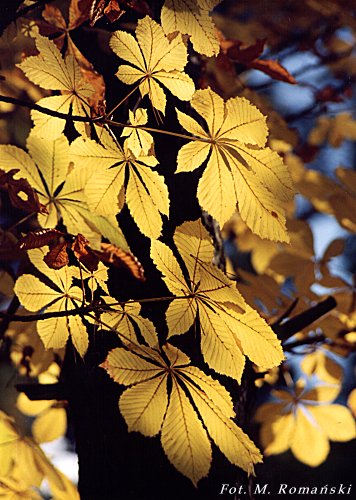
111,254
54,17
79,12
249,56
57,256
84,253
20,192
113,11
273,69
39,238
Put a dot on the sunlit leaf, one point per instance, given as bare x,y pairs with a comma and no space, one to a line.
192,17
50,71
155,60
241,170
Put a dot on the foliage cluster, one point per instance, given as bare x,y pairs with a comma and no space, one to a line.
85,173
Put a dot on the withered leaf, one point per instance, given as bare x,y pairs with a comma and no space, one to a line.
84,253
20,192
113,11
57,257
39,238
249,56
111,254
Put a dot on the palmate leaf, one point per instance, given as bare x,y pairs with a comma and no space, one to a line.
192,17
149,407
35,295
50,71
155,61
145,194
229,328
240,170
60,189
304,421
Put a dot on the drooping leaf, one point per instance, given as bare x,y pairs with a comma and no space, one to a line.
154,61
111,254
149,408
240,171
229,329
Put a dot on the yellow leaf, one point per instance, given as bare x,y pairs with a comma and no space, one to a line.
123,318
154,59
54,331
32,408
352,401
276,435
165,262
143,406
194,245
50,425
51,71
309,444
336,421
213,390
247,173
146,193
258,340
33,294
230,439
63,490
139,141
218,346
176,357
78,333
180,316
184,438
15,158
8,438
192,17
323,366
127,368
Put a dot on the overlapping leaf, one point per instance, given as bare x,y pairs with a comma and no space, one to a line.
50,71
191,17
60,188
145,193
149,408
123,319
35,295
138,141
229,329
240,169
154,61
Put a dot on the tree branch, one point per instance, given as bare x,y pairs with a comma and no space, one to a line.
304,319
50,112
